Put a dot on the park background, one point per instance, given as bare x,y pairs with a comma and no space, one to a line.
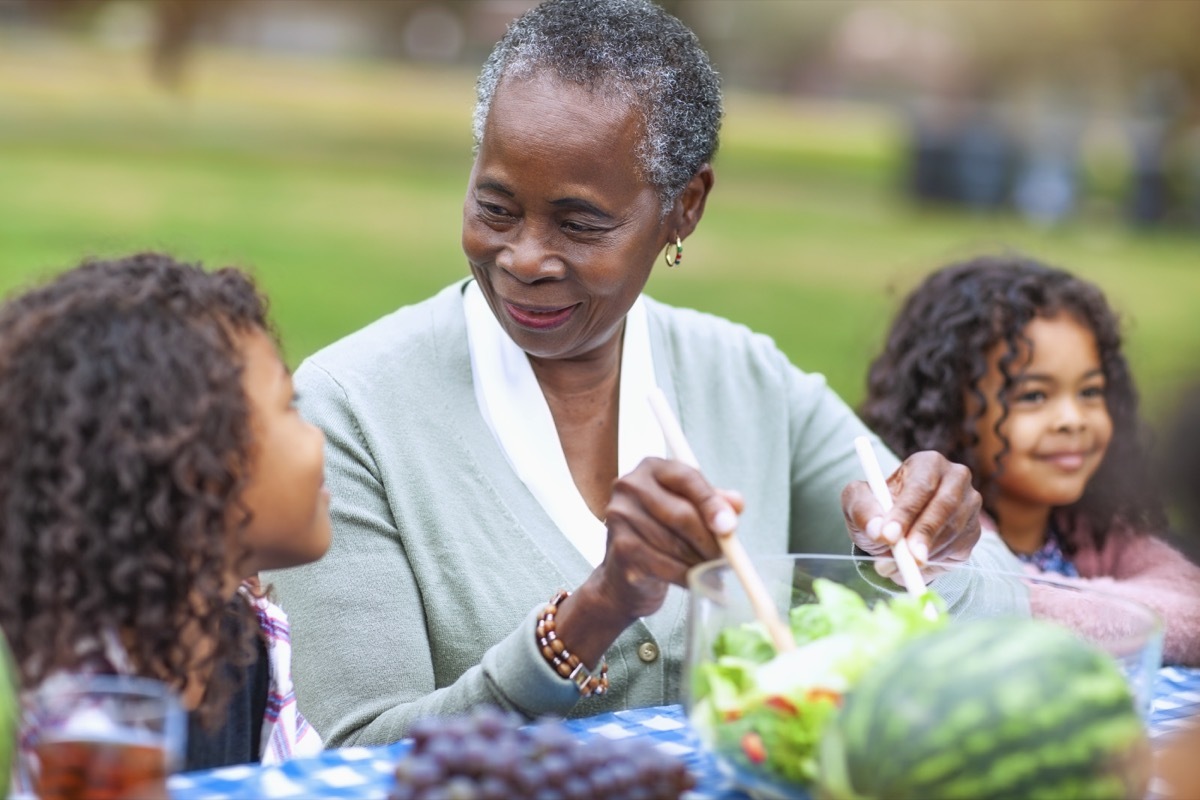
325,146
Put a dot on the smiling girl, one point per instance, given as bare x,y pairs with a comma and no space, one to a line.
1015,370
151,463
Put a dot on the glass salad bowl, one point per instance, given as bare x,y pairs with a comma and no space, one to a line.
754,713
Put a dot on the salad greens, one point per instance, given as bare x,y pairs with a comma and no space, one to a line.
767,713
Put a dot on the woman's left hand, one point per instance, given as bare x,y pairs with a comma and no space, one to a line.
935,508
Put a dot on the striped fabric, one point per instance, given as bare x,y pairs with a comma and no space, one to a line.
285,732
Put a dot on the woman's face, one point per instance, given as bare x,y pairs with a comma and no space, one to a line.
559,227
1058,427
286,493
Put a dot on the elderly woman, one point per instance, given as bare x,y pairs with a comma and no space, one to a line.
493,444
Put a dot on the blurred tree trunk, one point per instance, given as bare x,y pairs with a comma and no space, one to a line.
177,24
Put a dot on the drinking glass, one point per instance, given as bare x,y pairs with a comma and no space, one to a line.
103,737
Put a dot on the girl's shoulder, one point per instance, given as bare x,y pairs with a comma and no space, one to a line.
1126,549
1075,528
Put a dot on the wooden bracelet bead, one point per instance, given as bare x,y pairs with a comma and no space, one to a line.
564,662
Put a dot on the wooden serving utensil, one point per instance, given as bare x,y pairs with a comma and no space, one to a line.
731,546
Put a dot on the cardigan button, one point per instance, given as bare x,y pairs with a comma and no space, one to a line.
647,651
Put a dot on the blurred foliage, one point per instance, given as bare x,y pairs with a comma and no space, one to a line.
340,183
1072,39
1107,45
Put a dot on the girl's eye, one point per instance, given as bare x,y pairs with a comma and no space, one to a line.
1093,392
1031,396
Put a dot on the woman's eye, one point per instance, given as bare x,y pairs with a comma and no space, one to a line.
1030,397
1093,392
493,210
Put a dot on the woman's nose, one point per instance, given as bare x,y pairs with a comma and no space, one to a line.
528,258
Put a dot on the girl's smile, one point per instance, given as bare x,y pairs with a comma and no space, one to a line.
1068,460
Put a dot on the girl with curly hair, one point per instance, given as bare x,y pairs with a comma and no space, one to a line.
1014,369
151,463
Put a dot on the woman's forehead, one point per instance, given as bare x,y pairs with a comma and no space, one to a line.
547,93
543,113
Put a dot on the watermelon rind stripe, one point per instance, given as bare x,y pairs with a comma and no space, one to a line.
1009,751
1102,756
933,741
997,740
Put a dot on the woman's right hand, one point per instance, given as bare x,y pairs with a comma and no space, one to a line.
662,520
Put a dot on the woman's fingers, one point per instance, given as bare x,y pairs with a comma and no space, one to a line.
674,509
638,559
937,506
934,506
631,531
735,499
865,520
662,520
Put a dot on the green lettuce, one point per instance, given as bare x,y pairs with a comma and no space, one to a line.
767,713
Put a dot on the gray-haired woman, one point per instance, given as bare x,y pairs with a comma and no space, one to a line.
493,444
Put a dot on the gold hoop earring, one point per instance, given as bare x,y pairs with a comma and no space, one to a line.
673,259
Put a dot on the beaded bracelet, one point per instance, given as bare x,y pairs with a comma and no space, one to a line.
566,663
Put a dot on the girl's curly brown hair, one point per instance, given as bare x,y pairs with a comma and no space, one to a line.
124,439
1179,463
936,356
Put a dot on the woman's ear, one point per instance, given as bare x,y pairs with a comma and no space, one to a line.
689,208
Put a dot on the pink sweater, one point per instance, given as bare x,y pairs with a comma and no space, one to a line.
1147,569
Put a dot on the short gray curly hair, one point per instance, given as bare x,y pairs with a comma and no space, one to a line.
629,48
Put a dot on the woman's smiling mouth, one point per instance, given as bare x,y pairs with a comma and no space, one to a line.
539,319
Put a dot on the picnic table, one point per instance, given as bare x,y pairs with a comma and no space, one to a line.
367,772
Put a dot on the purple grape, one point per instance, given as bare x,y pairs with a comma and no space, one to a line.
488,755
556,768
418,772
461,788
493,787
528,776
576,788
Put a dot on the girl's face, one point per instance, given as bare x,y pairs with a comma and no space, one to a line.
1058,426
560,229
286,494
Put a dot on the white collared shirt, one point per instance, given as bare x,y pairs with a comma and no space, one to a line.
514,407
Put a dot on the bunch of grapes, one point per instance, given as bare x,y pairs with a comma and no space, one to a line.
488,755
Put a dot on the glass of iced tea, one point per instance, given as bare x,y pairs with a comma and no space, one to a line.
105,737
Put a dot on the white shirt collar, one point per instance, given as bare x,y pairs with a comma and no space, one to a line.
511,402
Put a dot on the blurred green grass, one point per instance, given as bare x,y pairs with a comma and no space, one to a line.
340,185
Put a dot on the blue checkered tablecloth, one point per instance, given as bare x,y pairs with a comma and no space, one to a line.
1176,701
366,772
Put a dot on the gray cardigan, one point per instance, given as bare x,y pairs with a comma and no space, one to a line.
441,558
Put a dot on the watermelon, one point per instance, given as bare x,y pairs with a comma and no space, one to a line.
9,711
988,708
